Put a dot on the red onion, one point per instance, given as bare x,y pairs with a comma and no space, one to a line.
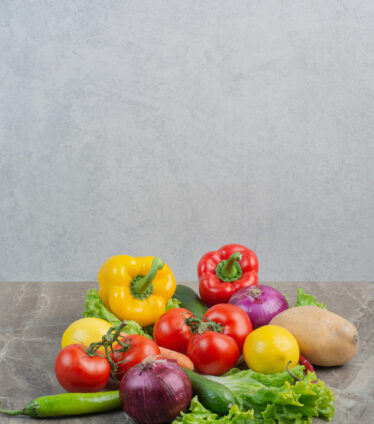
261,303
155,391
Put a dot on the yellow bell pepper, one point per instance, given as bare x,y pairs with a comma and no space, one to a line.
136,288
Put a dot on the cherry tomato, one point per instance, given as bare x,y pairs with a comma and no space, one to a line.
140,348
213,353
171,332
78,372
235,321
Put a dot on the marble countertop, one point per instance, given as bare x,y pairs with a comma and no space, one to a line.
33,317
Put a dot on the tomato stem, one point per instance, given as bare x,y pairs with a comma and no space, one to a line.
112,336
198,326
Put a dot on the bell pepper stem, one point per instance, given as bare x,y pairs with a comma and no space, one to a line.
143,283
229,268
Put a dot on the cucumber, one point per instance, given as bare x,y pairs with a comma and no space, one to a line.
190,300
214,396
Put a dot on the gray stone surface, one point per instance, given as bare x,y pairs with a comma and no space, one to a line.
172,127
33,317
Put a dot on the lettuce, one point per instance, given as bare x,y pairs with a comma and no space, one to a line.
268,398
201,415
172,303
305,299
95,308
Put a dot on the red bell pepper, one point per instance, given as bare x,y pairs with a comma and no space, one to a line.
225,271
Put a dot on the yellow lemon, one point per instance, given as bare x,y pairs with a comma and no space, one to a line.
268,349
85,331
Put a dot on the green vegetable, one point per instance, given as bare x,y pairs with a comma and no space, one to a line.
67,404
212,395
305,299
272,398
172,303
201,415
95,308
190,300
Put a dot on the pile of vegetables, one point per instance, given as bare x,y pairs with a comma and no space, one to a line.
176,354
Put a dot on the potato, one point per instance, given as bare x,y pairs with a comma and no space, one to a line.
324,338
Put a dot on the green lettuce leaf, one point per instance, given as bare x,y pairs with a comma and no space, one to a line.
305,299
271,398
95,308
172,303
200,415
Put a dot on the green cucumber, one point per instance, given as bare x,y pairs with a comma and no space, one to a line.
214,396
190,300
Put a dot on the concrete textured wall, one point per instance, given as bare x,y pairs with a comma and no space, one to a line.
173,127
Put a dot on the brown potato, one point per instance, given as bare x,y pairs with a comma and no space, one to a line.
324,338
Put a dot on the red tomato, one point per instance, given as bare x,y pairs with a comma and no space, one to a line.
171,332
235,321
78,372
140,348
213,353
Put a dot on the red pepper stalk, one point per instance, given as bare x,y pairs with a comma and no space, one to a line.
225,271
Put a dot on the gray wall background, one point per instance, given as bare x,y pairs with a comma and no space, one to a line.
173,127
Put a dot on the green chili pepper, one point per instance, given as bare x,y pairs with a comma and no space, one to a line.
66,404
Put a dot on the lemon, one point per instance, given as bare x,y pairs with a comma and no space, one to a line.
85,331
268,349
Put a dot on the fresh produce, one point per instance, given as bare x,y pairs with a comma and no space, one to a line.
157,377
173,303
225,271
182,360
261,303
272,398
211,351
155,391
305,299
190,300
325,338
233,398
234,320
95,308
269,349
171,331
198,414
136,288
77,371
138,349
121,350
213,395
85,331
306,364
67,404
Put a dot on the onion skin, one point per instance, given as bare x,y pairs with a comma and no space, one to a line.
155,391
261,303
